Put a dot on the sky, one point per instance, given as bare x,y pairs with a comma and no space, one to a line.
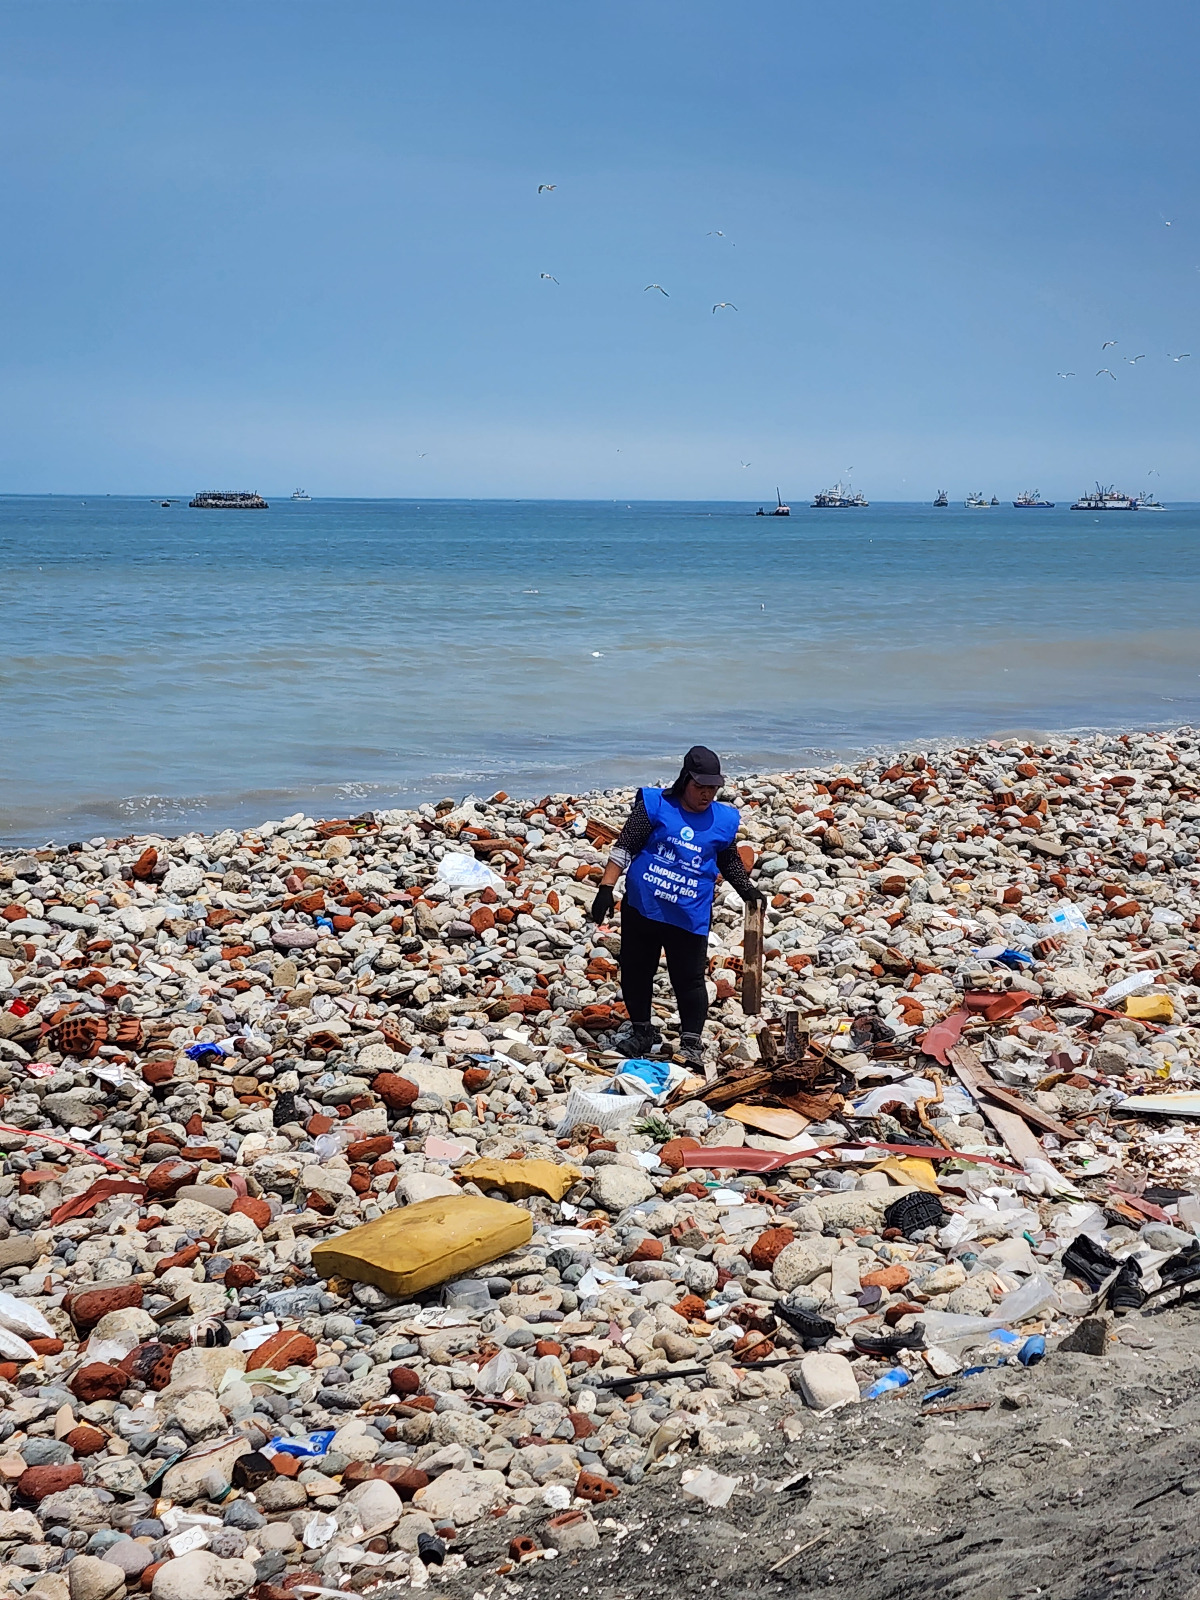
301,242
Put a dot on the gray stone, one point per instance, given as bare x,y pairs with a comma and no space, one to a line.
132,1558
45,1452
281,1494
69,1111
461,1497
200,1575
973,1298
615,1188
827,1380
373,1506
89,1578
1090,1338
76,1507
803,1260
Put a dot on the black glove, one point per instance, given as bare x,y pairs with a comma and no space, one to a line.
602,905
755,897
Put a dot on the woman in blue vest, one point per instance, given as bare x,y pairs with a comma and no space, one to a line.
671,849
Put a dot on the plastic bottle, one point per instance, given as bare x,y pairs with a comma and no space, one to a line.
895,1379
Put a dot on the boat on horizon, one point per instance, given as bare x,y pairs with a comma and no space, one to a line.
1105,499
1147,502
779,509
228,500
943,499
977,502
299,494
840,498
1031,500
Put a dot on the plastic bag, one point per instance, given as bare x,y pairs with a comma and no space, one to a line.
464,872
497,1374
603,1111
1065,917
19,1317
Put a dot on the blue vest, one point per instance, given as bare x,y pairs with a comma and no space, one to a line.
673,878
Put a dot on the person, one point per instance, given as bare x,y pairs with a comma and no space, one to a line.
674,843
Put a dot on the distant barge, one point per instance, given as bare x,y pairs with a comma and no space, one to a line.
228,500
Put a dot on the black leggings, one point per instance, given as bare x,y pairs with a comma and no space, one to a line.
642,942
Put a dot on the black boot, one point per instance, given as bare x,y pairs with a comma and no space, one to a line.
1087,1262
691,1048
638,1041
1126,1292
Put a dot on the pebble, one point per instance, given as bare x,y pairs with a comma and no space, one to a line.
282,1040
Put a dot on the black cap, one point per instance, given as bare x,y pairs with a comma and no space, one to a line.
703,766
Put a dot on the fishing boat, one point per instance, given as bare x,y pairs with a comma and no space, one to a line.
1147,502
299,494
1109,499
943,499
976,502
994,501
840,498
1032,500
778,510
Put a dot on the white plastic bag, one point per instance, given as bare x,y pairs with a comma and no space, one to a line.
497,1374
603,1111
18,1316
464,872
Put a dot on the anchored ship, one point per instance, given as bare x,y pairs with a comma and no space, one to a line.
976,501
840,498
300,494
1147,502
1032,500
778,510
229,500
1109,499
943,499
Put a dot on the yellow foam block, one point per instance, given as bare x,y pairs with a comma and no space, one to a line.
424,1244
520,1179
912,1171
1150,1007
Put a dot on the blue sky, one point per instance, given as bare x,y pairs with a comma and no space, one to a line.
276,243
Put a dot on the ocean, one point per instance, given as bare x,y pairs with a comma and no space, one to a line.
167,669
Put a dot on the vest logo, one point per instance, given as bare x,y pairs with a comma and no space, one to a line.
687,833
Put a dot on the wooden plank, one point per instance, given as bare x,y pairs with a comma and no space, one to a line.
752,961
982,1083
1022,1144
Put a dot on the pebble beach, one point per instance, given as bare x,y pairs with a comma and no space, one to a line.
222,1053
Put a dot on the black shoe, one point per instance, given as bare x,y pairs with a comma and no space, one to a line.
638,1041
1087,1262
1180,1271
915,1212
890,1344
691,1048
1126,1293
814,1331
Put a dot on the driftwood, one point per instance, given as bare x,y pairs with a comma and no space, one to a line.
752,961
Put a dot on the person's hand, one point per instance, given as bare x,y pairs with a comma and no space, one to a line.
602,905
756,898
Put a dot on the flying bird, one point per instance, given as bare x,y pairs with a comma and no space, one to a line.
1103,370
724,305
549,275
1183,357
745,464
657,286
422,454
1107,343
1133,360
1165,220
547,188
715,233
1066,374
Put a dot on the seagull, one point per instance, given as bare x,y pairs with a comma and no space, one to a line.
549,275
1103,370
1066,374
1183,357
724,305
547,188
657,286
1166,222
745,464
714,233
421,454
1133,360
1107,343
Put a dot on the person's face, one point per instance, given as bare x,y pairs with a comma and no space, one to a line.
699,796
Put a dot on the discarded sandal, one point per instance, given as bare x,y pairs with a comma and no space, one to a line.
814,1331
890,1344
1126,1292
1088,1263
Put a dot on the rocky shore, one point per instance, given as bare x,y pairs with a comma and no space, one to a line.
220,1053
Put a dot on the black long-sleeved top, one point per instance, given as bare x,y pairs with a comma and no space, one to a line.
635,836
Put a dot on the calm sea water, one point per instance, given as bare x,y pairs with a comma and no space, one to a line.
178,668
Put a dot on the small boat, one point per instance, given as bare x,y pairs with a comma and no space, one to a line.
840,498
299,494
994,501
1031,500
779,509
943,499
1109,499
164,504
976,502
1147,502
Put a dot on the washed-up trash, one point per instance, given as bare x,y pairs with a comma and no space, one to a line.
1127,986
422,1245
606,1112
714,1488
520,1179
465,872
1065,917
1185,1103
913,1213
1150,1007
897,1378
23,1319
313,1444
